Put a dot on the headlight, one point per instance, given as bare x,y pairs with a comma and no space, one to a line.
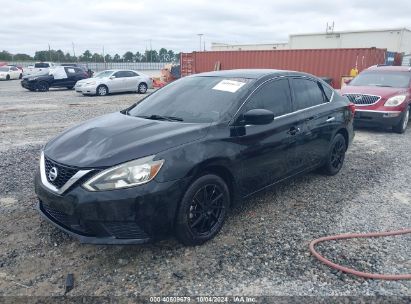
91,83
133,173
395,101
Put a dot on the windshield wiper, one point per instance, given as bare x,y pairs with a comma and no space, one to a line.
161,117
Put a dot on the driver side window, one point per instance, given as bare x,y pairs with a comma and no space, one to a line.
274,96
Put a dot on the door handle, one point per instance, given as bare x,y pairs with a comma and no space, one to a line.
293,130
330,119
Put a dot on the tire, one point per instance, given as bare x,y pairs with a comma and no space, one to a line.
142,88
202,211
42,86
8,77
70,87
20,76
402,125
101,90
336,155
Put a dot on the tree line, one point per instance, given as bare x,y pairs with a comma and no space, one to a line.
162,55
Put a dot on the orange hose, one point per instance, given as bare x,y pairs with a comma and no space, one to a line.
353,271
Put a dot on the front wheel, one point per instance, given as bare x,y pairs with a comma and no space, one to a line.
102,90
43,86
20,76
336,155
8,77
402,125
203,210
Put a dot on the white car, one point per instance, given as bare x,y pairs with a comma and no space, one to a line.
114,81
10,72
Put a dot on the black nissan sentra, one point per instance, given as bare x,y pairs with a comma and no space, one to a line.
179,159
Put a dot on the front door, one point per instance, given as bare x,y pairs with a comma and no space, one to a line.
268,151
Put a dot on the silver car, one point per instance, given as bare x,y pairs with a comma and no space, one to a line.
114,81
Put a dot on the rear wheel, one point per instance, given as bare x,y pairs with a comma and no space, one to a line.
102,90
203,210
142,88
43,86
70,87
402,125
336,155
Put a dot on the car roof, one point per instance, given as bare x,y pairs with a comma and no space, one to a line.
250,73
389,68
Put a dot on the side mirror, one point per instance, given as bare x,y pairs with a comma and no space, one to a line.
258,117
112,77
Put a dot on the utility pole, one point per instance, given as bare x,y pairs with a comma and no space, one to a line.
151,52
199,36
74,53
49,53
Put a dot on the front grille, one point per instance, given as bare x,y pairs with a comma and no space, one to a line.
66,220
125,230
64,173
362,99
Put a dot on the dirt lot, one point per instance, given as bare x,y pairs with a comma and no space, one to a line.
262,249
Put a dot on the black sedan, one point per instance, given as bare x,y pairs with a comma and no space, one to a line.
178,160
59,77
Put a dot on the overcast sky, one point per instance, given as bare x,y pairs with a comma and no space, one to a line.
119,26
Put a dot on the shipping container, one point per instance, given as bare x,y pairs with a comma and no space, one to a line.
331,63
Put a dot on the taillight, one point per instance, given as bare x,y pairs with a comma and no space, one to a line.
351,107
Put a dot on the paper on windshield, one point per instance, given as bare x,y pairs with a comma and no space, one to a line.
226,85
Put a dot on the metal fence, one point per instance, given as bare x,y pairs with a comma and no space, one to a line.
100,66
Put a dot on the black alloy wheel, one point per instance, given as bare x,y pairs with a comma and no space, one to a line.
42,86
203,210
335,159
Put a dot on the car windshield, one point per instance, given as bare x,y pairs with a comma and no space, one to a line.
197,99
382,79
103,74
4,69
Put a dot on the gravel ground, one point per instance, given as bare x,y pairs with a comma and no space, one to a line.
262,249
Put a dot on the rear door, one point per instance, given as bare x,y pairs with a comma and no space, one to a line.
268,150
14,73
132,81
318,118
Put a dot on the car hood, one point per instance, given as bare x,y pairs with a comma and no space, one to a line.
86,80
116,138
384,92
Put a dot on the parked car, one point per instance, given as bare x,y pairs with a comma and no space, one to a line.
382,95
81,66
58,77
115,81
179,159
9,72
39,68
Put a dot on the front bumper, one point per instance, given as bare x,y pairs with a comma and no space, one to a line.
127,216
377,118
29,85
86,89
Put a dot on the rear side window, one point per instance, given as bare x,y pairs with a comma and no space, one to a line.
41,65
274,96
307,93
327,91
